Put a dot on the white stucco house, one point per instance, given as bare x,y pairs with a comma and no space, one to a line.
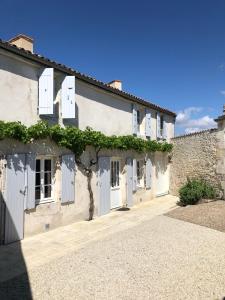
40,184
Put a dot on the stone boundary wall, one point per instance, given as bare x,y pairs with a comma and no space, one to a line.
194,156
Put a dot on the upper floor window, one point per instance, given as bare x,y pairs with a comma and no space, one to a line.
161,125
138,120
43,180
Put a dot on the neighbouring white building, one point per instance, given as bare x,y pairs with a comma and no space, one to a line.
41,186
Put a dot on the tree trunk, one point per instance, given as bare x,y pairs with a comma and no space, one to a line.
91,197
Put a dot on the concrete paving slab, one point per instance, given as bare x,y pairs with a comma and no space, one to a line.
39,249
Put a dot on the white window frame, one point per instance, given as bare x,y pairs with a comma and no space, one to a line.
42,198
138,121
140,166
117,174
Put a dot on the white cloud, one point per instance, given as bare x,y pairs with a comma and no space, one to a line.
192,130
184,115
189,121
222,92
204,122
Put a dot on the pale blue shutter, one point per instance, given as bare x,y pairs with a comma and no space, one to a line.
68,97
68,178
104,185
129,170
164,129
147,122
148,173
158,133
134,118
46,91
14,197
134,174
30,180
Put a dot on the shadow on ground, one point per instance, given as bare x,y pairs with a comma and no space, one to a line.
14,279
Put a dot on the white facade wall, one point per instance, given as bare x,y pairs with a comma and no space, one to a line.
95,107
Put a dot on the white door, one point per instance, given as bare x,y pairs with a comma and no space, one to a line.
115,196
162,176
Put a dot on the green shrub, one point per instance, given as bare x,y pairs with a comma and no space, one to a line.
195,190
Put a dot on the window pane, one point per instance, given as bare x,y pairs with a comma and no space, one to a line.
47,191
47,166
38,165
161,122
138,169
111,174
114,175
117,174
138,116
48,178
38,179
37,193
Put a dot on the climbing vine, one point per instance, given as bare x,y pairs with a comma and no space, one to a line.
77,140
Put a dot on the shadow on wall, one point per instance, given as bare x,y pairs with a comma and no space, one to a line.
14,279
161,164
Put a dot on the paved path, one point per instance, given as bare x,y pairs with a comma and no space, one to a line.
42,248
138,254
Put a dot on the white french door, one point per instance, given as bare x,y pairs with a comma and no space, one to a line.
115,195
162,176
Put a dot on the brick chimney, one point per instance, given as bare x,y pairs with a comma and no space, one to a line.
117,84
23,41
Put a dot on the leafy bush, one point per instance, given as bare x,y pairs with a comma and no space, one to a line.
195,190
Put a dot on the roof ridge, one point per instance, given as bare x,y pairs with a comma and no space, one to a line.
63,68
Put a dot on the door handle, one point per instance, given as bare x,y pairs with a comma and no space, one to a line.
23,192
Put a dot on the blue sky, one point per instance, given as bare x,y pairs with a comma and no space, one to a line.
169,52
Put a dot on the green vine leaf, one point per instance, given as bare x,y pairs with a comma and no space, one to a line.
77,140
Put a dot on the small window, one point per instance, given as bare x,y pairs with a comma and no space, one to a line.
43,180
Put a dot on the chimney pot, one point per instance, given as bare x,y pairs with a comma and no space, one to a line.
23,41
117,84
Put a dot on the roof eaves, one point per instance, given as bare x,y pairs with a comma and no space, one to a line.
50,63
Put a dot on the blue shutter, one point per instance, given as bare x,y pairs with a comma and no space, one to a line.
14,198
30,180
134,174
68,97
158,134
46,92
104,185
148,173
68,178
134,118
129,170
147,122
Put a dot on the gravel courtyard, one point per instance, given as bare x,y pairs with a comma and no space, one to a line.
160,258
210,214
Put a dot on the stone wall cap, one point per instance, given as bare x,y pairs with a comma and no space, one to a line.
195,133
220,118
